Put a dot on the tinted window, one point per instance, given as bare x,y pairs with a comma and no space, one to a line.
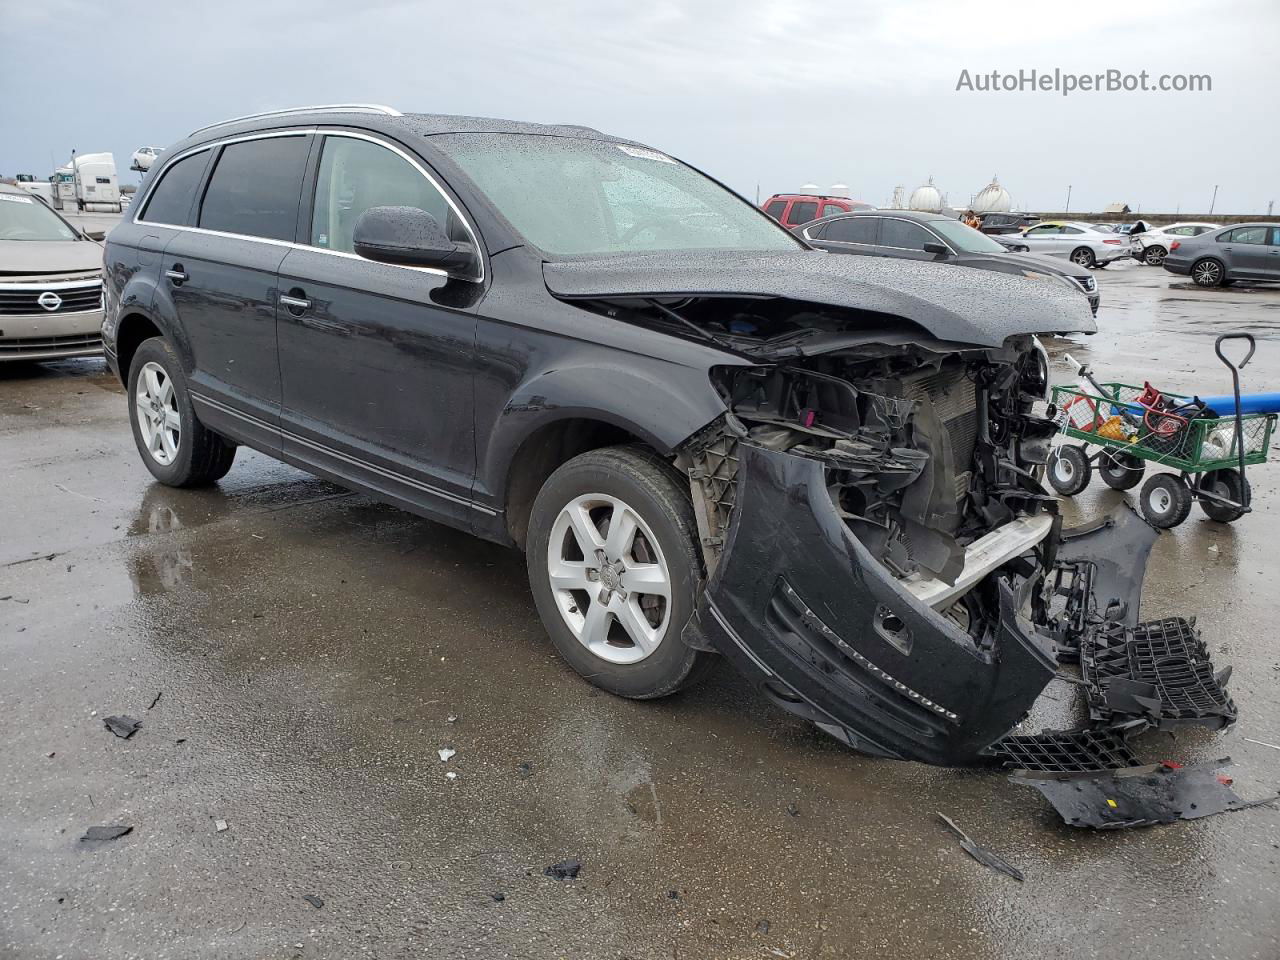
1196,231
171,199
1072,230
830,209
356,175
1275,236
775,208
1247,235
802,211
254,188
902,233
1044,231
852,230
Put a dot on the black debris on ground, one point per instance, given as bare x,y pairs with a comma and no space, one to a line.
312,899
793,810
123,727
156,700
1138,796
984,856
498,896
524,769
1069,751
673,894
106,833
762,927
564,870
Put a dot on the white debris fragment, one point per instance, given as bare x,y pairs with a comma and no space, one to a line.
220,825
451,718
451,775
446,753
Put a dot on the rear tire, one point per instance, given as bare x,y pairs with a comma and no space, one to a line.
175,446
1120,471
1069,470
1208,273
1166,500
1225,483
606,594
1083,257
1154,256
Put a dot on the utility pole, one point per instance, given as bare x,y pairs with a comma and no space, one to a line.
1068,210
1215,198
1270,206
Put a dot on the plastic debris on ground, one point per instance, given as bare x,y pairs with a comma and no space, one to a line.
220,825
984,856
106,833
564,870
1138,796
445,753
312,899
123,727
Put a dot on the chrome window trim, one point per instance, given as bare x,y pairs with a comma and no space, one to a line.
317,131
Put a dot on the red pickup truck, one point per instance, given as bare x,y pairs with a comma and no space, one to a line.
793,209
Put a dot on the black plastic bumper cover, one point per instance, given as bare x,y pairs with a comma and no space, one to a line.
806,612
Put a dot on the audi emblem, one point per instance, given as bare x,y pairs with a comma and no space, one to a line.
49,300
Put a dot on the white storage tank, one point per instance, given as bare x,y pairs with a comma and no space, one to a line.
993,198
926,198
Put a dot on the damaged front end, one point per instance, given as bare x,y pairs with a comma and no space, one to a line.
882,557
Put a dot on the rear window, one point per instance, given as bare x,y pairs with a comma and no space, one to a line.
851,230
254,188
171,199
802,211
775,208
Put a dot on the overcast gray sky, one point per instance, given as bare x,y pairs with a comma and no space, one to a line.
775,93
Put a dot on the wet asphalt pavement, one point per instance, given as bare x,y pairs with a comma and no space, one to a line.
309,647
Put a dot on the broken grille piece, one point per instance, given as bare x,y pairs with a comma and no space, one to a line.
1159,669
1066,751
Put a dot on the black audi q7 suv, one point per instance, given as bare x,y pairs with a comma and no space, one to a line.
708,437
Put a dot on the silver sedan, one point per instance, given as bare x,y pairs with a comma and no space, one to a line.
1081,243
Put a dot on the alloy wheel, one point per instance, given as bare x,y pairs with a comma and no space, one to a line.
1207,274
156,407
609,578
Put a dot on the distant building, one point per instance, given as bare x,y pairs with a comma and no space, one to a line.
1120,208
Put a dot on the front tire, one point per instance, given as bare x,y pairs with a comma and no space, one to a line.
1154,256
1120,471
1166,500
1069,470
615,569
1208,273
176,447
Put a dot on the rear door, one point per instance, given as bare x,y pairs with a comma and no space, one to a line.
221,279
801,211
1247,252
857,235
376,359
1273,255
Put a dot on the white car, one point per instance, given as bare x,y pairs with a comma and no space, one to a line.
1154,243
143,157
1081,243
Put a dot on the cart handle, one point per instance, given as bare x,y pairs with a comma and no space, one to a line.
1217,348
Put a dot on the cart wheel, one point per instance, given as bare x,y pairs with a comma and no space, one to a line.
1120,471
1069,470
1166,500
1225,483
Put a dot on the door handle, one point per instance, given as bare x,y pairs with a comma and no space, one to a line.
294,303
177,274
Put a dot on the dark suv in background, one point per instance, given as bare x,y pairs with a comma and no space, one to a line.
706,435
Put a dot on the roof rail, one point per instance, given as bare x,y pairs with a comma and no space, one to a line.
330,107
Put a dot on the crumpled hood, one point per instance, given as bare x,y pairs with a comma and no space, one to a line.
31,257
966,306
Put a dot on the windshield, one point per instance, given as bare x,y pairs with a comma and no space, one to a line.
965,239
26,218
572,197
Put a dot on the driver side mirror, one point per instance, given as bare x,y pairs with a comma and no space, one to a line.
938,249
95,234
410,237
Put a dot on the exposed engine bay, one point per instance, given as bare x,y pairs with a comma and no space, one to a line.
882,557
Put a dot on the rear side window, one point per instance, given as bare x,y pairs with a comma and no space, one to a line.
832,208
852,230
904,234
1247,235
254,188
802,211
775,209
1072,230
171,199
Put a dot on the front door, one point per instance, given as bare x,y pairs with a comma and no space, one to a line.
221,278
1247,252
376,360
